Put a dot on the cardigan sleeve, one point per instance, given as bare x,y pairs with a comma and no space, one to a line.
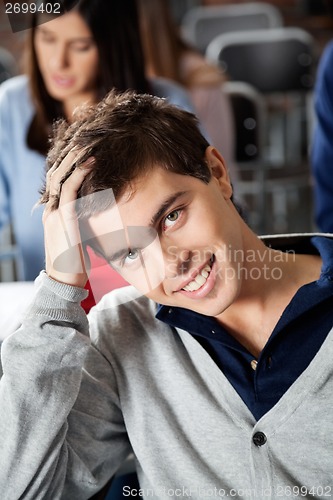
62,431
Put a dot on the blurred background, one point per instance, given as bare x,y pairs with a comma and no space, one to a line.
271,79
268,54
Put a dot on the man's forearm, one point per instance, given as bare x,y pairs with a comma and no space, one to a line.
42,365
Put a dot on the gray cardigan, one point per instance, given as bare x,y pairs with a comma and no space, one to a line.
154,390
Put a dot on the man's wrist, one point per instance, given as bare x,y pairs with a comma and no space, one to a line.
68,291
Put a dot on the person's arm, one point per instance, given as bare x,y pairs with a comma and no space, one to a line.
62,434
61,427
322,148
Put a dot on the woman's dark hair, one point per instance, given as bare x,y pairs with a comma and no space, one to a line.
115,28
160,35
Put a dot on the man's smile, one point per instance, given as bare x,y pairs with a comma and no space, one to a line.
200,282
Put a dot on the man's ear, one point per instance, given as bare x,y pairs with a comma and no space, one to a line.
217,166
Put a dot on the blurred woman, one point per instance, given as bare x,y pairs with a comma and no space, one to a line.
72,59
168,55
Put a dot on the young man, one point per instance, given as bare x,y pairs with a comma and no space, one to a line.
217,373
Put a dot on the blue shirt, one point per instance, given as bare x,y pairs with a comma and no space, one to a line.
295,340
21,177
322,147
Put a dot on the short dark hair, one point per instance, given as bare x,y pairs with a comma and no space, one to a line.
129,134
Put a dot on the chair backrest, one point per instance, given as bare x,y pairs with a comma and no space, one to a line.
180,7
272,60
249,119
250,124
201,25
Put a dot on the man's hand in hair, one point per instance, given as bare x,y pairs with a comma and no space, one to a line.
66,259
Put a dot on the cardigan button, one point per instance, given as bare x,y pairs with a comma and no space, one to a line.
259,438
254,364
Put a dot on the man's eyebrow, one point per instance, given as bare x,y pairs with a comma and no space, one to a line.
113,256
110,255
118,255
165,206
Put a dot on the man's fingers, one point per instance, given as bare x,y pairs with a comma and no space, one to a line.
70,187
65,254
62,188
58,173
71,155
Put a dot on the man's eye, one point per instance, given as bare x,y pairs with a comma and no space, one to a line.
171,218
132,254
132,259
127,260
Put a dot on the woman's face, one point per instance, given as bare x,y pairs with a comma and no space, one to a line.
67,56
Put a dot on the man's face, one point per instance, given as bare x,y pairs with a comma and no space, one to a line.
174,238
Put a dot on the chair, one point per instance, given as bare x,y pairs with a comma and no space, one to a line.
279,64
10,259
250,122
180,7
272,60
201,25
249,114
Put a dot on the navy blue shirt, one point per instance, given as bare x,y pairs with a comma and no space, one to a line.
295,340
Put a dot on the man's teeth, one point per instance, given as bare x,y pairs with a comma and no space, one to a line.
199,280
